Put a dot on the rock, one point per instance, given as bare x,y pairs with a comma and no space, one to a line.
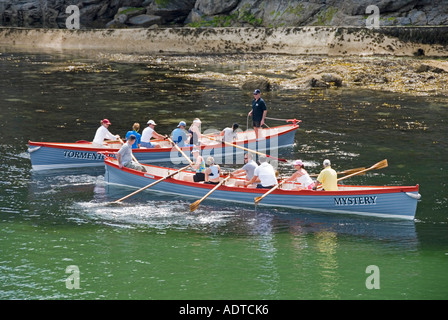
316,83
332,79
261,83
144,20
130,12
211,8
171,11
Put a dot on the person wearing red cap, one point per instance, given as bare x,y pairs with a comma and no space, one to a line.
103,133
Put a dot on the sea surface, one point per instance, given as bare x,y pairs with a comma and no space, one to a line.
60,238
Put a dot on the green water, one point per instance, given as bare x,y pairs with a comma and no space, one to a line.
151,247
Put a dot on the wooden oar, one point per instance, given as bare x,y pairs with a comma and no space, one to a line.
258,199
348,171
152,184
380,165
180,150
195,204
249,150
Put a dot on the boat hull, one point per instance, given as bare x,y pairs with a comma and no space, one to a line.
47,155
390,202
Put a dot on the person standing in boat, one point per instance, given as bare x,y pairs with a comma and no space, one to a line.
149,133
327,177
124,156
247,170
264,174
103,133
229,134
258,113
179,135
301,176
138,137
213,172
195,132
198,166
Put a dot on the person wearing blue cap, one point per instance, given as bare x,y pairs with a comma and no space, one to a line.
258,113
180,135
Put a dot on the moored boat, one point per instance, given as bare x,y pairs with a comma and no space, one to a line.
383,201
56,155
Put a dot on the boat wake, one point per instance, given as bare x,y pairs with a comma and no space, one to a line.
159,215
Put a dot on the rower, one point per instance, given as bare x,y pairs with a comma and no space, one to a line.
103,133
328,177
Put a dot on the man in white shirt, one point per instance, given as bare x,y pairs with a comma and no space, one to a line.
149,133
264,174
103,133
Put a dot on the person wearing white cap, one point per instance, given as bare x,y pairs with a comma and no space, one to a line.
179,134
103,133
327,177
195,132
301,176
149,133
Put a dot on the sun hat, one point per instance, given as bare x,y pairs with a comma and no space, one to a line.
151,122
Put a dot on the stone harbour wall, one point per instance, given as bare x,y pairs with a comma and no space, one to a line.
331,41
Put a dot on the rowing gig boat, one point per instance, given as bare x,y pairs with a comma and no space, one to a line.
382,201
56,155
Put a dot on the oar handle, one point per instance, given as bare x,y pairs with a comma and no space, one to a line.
258,199
180,150
249,150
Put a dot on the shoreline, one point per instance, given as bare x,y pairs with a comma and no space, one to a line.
331,41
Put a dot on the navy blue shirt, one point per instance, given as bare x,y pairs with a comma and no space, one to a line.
258,106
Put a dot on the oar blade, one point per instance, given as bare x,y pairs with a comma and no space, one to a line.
380,165
257,199
194,205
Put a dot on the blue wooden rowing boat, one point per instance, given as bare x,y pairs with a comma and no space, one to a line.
382,201
57,155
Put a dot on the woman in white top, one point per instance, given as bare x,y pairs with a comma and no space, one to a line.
301,176
213,172
103,133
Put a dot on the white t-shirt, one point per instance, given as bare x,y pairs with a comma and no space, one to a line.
229,135
101,134
266,173
147,134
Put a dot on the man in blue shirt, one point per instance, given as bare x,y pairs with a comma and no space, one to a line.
180,135
258,113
